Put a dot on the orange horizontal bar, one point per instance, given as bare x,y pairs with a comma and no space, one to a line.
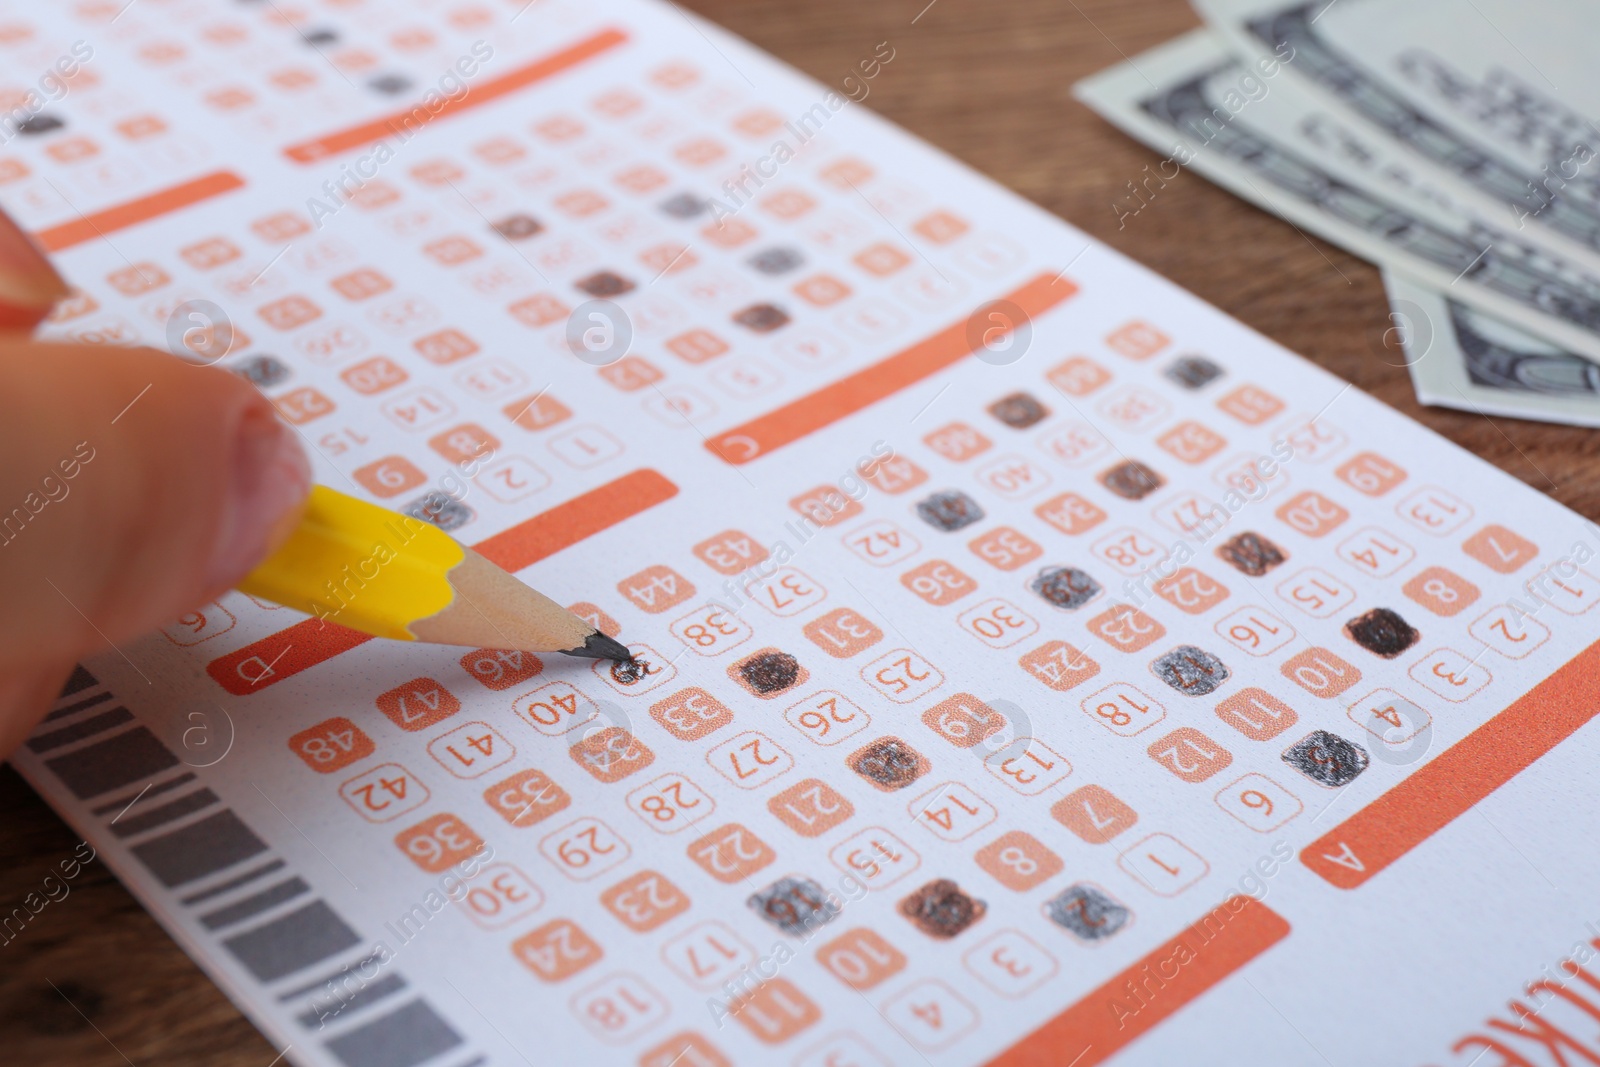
581,517
883,379
1133,1003
1460,776
394,125
310,642
121,216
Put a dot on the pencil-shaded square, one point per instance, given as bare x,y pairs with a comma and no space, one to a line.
795,905
1382,632
776,260
1066,588
441,509
292,942
411,1035
888,764
36,124
940,909
1087,912
683,206
1326,758
262,371
1019,411
605,283
518,227
949,510
1132,480
1193,372
389,84
769,671
762,318
1190,670
1250,553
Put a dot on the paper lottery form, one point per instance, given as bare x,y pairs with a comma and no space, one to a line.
1043,667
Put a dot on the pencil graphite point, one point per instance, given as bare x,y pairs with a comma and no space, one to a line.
598,646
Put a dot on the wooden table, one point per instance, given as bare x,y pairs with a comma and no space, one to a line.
94,981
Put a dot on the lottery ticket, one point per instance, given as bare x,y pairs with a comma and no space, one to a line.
1037,665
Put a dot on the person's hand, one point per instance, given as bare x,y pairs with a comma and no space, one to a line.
133,487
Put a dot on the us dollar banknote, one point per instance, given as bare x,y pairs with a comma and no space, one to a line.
1498,97
1461,358
1248,127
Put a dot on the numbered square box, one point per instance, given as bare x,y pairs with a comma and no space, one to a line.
691,714
882,543
584,849
1260,803
842,633
656,589
952,811
557,950
875,857
1509,631
1320,672
1078,376
418,704
1312,514
1375,552
1094,814
500,895
775,1011
556,708
963,720
827,717
1191,442
1070,514
1129,551
1441,591
750,760
1191,514
1126,628
1076,444
1256,714
194,627
706,955
583,447
1447,673
1316,592
902,676
671,803
930,1015
731,853
787,591
1010,963
1029,766
471,750
644,901
1389,717
1191,591
527,798
1569,589
1124,709
1370,473
1013,477
998,623
385,792
331,745
1327,759
730,552
611,754
1434,510
1019,861
1501,550
1059,665
888,764
438,843
511,478
499,669
1163,864
1189,754
938,582
1088,912
1255,630
1005,548
957,442
861,959
811,807
619,1008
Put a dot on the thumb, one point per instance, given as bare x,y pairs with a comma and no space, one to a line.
135,488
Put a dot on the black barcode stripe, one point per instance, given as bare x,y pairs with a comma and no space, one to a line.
117,761
321,1013
78,682
73,709
154,790
149,819
336,977
255,904
200,848
96,724
233,883
411,1035
292,942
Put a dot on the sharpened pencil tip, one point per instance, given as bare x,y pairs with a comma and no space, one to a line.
598,646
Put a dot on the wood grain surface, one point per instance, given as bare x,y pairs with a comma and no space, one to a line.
94,981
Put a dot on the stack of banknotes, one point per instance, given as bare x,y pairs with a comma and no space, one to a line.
1453,143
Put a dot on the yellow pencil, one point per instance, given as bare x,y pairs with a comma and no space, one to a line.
391,575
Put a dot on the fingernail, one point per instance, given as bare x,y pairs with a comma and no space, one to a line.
29,285
271,477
